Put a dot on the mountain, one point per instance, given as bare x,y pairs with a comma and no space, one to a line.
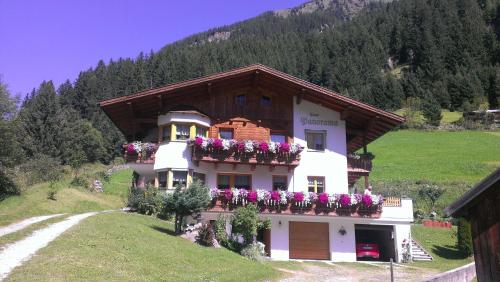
443,52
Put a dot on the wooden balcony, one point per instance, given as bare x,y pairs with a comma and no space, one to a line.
235,158
358,166
220,205
145,156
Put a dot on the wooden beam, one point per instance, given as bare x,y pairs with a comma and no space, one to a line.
300,95
361,136
346,113
160,104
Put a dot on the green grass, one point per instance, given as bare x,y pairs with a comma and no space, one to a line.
441,243
132,247
439,156
448,117
16,236
33,201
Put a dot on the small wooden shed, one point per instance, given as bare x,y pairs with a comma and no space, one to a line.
481,205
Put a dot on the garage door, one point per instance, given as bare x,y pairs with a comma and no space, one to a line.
309,240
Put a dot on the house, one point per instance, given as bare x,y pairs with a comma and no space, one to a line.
480,206
282,142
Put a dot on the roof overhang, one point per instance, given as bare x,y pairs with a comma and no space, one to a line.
364,123
460,206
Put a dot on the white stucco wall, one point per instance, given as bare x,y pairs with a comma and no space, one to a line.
173,154
183,117
332,163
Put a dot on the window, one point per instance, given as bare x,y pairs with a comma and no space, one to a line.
182,132
167,130
226,134
280,182
240,100
201,131
240,181
316,140
199,176
265,101
179,178
281,138
316,184
162,179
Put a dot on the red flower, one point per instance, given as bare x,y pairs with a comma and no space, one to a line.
323,198
131,149
217,144
298,196
240,146
275,196
367,200
345,200
198,141
252,196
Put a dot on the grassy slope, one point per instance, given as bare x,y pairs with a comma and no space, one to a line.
440,156
33,201
448,117
441,244
131,247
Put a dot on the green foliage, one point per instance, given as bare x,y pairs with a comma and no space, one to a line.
206,235
7,186
220,230
146,200
431,193
246,223
254,251
80,181
40,168
52,194
184,202
464,237
432,112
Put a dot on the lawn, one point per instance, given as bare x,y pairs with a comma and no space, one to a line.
439,156
448,117
33,201
132,247
441,243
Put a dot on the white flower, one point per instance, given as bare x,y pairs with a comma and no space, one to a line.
273,148
283,198
354,199
138,146
295,148
226,144
204,143
249,146
236,194
375,200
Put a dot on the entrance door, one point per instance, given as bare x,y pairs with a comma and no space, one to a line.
309,240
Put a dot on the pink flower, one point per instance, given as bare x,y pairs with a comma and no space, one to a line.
228,194
284,147
263,147
298,196
198,141
217,144
275,196
345,200
252,196
240,146
131,149
367,200
323,198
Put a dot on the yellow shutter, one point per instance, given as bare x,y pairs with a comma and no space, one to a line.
192,131
173,132
315,186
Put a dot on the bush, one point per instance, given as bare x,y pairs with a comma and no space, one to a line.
146,201
220,230
40,168
206,235
246,222
79,181
254,251
7,186
51,194
431,111
464,237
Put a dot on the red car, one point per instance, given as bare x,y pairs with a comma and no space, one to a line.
367,250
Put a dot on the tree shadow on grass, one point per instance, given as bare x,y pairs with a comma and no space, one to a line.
164,230
448,252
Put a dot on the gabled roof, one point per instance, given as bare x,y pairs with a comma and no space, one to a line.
468,199
364,122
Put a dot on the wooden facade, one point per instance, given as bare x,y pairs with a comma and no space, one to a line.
481,206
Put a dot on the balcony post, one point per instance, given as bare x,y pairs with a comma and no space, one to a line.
170,179
157,182
367,183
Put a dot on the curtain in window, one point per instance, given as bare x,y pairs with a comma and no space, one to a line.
223,181
182,131
242,181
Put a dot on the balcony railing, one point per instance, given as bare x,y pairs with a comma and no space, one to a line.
359,162
289,203
142,153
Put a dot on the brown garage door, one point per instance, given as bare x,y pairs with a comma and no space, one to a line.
309,240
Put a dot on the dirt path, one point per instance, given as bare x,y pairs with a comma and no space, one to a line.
15,254
14,227
354,272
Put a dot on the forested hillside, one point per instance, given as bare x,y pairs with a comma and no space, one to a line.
445,52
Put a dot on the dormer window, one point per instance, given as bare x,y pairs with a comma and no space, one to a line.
265,101
240,100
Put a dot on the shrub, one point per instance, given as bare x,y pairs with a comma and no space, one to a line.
79,181
254,251
51,194
184,202
464,237
431,111
220,230
246,222
40,168
7,186
206,235
146,201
